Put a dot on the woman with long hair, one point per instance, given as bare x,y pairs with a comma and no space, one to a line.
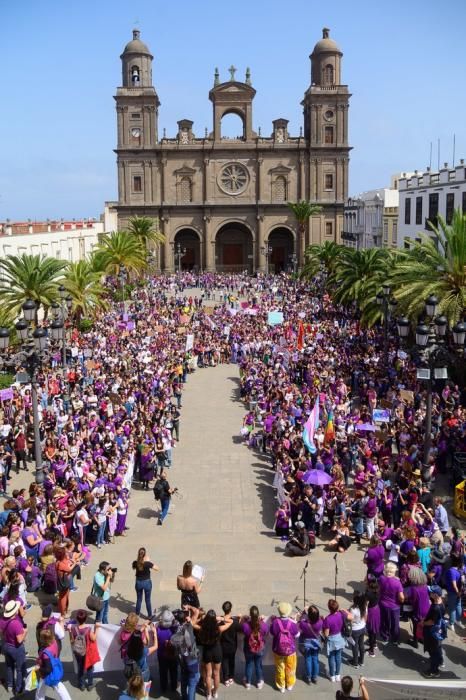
310,627
373,615
143,567
255,631
358,611
189,586
208,633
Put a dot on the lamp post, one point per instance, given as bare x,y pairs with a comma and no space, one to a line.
294,262
388,304
31,356
430,340
122,279
62,311
179,255
266,250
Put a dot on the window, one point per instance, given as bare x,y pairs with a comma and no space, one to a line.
463,203
328,181
418,210
329,228
450,207
137,183
328,134
433,208
408,210
279,189
328,75
395,232
385,231
135,115
135,75
185,189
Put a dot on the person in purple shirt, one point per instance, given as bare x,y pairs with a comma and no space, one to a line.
168,666
284,630
332,627
374,557
310,628
13,633
391,597
453,586
417,595
255,631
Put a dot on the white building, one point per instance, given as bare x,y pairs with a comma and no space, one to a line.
425,195
66,240
367,219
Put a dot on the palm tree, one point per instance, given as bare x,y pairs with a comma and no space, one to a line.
434,265
118,250
320,255
359,274
85,287
143,228
303,211
33,277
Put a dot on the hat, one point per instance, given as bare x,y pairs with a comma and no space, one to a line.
436,590
299,524
166,619
284,609
11,609
417,472
47,611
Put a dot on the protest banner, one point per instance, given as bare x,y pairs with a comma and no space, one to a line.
6,394
274,318
415,690
189,341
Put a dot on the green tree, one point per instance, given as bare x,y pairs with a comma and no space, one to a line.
30,277
320,255
116,250
144,229
303,211
434,265
86,289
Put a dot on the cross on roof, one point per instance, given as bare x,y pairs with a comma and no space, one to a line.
232,70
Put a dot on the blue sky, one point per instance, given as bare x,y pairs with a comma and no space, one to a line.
403,61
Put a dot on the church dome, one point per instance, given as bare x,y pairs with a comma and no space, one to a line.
136,45
326,45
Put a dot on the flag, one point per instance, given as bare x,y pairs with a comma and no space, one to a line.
309,428
329,435
300,335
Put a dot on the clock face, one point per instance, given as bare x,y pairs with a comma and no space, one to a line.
136,133
329,115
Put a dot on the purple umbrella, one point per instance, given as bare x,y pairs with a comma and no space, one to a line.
317,477
366,427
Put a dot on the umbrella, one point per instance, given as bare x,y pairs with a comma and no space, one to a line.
317,477
366,427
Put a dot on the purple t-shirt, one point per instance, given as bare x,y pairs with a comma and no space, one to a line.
310,630
334,622
419,599
247,631
389,589
375,558
10,628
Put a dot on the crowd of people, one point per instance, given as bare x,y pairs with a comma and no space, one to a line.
113,417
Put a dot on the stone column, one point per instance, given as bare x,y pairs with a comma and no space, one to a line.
302,181
147,182
124,117
206,180
209,245
121,182
163,163
260,255
318,179
259,179
168,245
120,125
127,184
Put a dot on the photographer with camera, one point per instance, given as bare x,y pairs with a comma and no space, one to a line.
183,642
298,545
101,589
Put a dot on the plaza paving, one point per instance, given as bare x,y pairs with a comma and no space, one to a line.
223,521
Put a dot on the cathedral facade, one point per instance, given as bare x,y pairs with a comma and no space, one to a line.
222,202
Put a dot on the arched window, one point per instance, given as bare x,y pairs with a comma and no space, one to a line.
135,76
279,189
328,75
185,190
232,126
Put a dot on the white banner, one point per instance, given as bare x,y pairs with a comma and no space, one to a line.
189,341
415,690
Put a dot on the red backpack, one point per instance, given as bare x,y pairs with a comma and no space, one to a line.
256,642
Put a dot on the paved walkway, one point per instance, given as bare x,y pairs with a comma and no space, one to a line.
223,521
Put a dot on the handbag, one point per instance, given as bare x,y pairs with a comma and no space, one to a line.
346,628
94,602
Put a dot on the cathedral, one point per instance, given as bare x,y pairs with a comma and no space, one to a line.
221,202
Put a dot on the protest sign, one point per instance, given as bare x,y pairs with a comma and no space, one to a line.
6,394
274,318
414,690
189,341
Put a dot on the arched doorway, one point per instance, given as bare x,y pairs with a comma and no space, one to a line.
282,244
188,240
234,248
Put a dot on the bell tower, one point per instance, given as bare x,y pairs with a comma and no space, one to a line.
137,105
325,107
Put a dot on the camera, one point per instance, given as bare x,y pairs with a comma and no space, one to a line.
113,569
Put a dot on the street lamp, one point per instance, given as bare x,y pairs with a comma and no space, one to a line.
179,255
388,305
430,340
294,262
31,356
122,279
267,252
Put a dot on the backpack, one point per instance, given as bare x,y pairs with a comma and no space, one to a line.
131,669
56,674
79,642
285,645
50,580
158,491
184,643
256,642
